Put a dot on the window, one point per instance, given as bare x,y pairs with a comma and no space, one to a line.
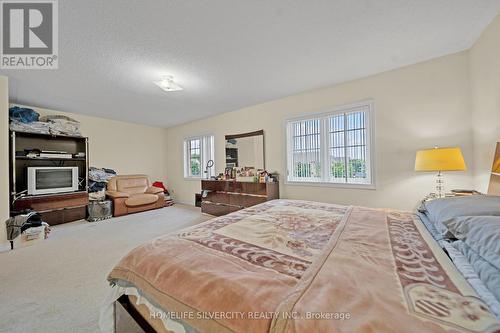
197,152
332,148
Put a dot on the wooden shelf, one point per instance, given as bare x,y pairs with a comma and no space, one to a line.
63,194
22,133
50,158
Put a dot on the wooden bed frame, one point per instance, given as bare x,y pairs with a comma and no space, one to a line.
128,307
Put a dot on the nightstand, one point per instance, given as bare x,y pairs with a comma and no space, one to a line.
452,194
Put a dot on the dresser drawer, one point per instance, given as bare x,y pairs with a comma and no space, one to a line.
217,197
235,187
223,186
224,197
217,209
64,215
243,200
249,188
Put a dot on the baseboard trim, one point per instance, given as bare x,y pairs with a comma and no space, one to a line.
183,202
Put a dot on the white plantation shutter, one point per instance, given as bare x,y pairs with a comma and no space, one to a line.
306,149
331,148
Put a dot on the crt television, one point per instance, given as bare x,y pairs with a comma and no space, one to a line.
49,180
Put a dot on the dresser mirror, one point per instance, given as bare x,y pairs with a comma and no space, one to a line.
245,150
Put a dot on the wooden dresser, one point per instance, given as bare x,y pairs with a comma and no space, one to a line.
226,196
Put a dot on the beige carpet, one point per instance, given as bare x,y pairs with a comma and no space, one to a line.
58,284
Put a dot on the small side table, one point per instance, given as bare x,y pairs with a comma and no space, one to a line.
464,193
99,210
453,193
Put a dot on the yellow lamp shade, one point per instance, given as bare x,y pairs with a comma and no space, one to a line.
440,159
496,166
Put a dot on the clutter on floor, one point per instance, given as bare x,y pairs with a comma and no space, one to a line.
168,200
99,210
26,229
97,195
98,180
28,120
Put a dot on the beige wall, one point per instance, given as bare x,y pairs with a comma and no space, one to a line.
419,106
125,147
485,98
4,155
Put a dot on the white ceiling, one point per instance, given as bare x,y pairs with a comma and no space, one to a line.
230,54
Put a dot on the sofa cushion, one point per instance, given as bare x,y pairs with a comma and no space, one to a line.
132,185
141,199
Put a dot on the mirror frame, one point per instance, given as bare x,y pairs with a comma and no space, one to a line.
249,134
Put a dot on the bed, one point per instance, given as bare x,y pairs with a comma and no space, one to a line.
297,266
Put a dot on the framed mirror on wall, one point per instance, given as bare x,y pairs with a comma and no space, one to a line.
245,152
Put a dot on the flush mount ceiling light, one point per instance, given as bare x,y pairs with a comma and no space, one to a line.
167,83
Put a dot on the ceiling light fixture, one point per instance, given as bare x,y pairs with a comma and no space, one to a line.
167,83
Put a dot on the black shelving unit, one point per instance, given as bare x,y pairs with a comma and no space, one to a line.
19,141
50,158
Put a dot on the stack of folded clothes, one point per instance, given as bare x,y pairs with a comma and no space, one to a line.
98,180
33,127
62,125
28,120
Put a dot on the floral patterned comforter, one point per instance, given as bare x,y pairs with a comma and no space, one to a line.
300,266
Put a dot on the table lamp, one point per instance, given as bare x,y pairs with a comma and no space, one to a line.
494,186
440,159
496,167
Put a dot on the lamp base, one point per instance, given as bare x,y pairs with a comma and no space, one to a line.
430,196
439,185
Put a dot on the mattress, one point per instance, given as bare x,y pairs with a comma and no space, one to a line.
299,266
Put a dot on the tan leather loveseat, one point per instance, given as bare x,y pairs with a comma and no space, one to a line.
133,193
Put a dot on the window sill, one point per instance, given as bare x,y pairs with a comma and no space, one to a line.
334,185
196,178
192,178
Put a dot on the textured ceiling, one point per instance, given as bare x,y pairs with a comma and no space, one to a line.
230,54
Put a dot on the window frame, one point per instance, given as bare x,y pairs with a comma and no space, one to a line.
323,114
203,159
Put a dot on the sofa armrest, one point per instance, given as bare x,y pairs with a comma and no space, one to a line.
154,190
116,194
